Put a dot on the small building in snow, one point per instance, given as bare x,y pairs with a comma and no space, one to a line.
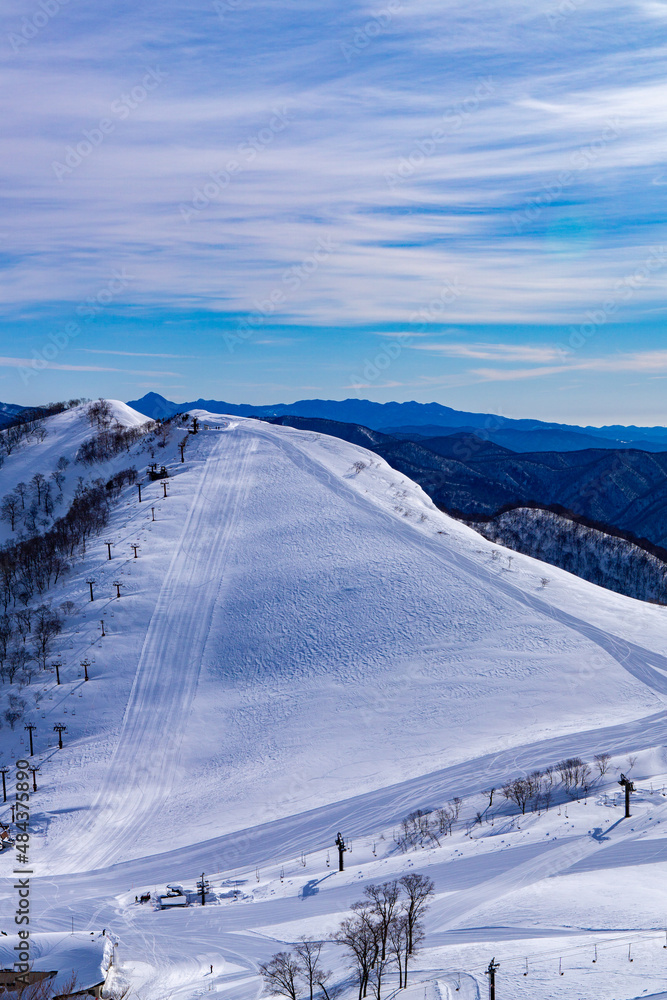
173,900
69,965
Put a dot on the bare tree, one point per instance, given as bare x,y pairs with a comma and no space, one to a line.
58,474
602,762
376,977
518,791
38,484
15,663
10,508
48,501
308,952
417,938
384,900
281,974
30,519
14,712
47,626
100,413
21,491
446,817
419,890
398,946
5,635
574,774
359,936
23,621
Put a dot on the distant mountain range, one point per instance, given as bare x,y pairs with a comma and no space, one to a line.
8,413
624,488
426,420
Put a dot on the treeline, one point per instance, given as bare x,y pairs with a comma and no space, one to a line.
31,504
26,641
570,778
536,789
634,568
30,566
107,443
382,934
112,437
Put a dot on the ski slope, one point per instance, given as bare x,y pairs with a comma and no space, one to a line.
305,644
65,433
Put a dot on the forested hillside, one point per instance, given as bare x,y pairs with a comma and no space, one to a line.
610,561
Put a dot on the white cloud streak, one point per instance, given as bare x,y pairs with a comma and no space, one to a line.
133,354
494,352
644,362
8,362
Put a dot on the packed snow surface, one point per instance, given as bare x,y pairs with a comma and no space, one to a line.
305,644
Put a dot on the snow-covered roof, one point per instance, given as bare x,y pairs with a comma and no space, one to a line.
85,954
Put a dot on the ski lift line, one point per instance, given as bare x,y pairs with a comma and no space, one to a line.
268,865
563,953
71,654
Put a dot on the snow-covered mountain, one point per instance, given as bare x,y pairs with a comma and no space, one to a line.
306,644
8,413
430,419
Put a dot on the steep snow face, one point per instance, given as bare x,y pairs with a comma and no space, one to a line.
303,625
63,435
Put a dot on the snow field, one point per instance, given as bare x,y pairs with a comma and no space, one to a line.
305,646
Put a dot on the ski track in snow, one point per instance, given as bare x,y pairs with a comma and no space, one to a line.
157,711
141,772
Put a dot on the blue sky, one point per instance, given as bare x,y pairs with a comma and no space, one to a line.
263,201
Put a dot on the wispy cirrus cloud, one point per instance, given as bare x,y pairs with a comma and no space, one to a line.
645,362
350,123
9,362
494,352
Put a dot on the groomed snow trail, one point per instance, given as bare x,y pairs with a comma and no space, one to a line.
141,772
646,665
